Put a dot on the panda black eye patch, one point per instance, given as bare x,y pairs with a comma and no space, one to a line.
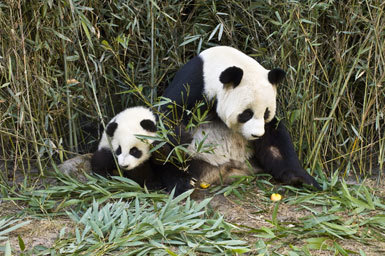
267,114
135,152
245,116
118,151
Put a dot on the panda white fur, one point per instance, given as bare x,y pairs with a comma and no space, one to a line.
132,154
242,122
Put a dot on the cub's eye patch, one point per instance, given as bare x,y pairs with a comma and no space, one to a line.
267,114
118,151
245,116
135,152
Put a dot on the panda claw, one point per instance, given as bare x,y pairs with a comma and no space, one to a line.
193,182
297,179
309,180
315,184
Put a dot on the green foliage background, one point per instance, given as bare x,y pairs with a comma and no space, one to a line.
66,65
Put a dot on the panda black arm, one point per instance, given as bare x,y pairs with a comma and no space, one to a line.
102,162
275,153
186,89
169,175
173,178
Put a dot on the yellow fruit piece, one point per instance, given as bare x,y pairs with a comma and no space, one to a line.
204,185
275,197
72,81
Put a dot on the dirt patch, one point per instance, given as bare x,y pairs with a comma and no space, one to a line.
233,211
43,232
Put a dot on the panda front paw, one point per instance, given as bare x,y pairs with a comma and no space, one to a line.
102,162
181,185
297,178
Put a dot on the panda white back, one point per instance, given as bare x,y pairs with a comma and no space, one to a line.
219,58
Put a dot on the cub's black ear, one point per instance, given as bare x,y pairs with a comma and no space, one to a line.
232,75
148,125
276,75
111,127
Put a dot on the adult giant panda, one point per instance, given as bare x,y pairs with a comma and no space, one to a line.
242,124
132,154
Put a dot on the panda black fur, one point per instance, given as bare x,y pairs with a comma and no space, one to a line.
132,154
243,125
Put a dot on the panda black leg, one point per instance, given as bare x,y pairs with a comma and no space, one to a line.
275,153
102,162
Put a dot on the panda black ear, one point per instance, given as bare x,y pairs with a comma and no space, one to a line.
111,127
148,125
231,75
276,75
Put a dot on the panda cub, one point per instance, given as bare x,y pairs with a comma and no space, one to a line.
240,96
132,154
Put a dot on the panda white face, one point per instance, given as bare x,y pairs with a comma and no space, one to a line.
122,131
245,91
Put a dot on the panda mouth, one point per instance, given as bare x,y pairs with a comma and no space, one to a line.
255,137
125,167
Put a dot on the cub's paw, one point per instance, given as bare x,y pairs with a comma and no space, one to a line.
193,182
184,185
181,185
